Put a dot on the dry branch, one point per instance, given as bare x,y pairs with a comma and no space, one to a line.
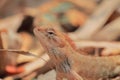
11,23
109,48
37,64
88,5
110,51
97,19
101,44
110,32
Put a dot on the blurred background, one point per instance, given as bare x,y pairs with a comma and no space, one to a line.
93,26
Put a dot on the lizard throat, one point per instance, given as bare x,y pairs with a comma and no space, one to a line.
62,62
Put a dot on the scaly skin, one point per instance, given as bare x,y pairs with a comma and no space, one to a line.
68,62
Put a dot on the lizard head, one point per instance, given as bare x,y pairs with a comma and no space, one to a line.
49,37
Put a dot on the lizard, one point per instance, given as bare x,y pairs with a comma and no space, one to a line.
69,63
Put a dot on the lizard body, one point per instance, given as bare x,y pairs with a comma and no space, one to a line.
69,63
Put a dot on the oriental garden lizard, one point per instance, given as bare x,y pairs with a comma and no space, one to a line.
72,65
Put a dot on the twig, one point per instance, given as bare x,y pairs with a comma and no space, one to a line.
110,51
88,5
97,19
11,23
101,44
110,32
37,64
19,52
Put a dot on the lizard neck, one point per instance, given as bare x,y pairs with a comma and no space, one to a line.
60,59
63,62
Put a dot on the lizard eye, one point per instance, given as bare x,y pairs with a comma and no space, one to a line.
50,31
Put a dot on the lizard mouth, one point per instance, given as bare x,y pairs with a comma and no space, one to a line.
39,33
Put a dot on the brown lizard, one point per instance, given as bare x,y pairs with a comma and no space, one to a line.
69,62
